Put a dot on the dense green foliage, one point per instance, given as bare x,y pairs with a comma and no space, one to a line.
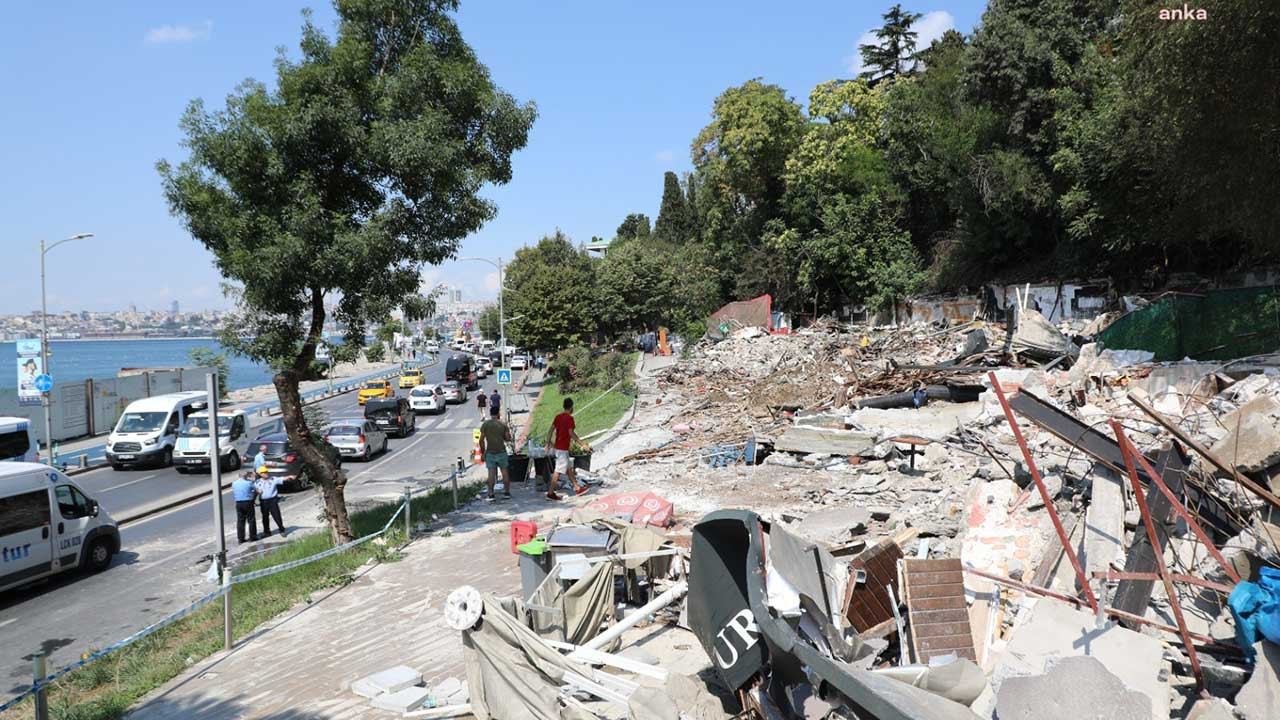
364,163
206,358
576,368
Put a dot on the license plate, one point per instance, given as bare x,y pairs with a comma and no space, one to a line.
347,451
192,461
125,457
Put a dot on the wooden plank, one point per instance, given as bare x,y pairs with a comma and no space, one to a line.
942,603
936,565
867,604
951,577
936,607
927,647
935,591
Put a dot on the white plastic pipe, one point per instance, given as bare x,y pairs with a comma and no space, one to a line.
675,593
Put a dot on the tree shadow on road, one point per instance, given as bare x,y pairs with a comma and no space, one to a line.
211,708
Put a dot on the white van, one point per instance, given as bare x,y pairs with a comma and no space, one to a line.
49,525
18,441
148,429
192,450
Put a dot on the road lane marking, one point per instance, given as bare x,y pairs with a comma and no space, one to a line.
131,482
9,621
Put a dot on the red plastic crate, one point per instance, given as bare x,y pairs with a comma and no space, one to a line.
522,532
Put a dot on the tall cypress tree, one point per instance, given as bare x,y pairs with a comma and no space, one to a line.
885,59
673,218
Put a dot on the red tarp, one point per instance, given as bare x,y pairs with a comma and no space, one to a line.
756,312
640,508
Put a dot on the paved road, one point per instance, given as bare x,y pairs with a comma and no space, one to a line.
165,556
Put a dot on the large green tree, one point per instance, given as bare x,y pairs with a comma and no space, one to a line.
634,285
552,286
894,54
489,323
634,227
361,165
673,224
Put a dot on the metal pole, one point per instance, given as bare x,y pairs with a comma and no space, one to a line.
44,361
502,338
1044,493
38,676
456,471
215,479
408,523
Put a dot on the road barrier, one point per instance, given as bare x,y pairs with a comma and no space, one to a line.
41,682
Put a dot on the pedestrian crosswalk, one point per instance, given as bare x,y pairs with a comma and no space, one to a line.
455,420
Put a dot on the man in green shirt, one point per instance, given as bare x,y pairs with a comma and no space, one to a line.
494,436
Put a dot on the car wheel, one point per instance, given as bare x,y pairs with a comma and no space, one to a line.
98,555
384,445
166,457
366,456
181,470
117,467
235,460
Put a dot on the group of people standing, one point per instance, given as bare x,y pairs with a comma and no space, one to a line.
495,435
257,484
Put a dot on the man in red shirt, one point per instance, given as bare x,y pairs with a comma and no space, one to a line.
563,435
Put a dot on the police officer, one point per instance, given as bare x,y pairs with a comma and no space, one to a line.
269,498
243,491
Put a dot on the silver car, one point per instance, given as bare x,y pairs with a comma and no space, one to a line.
356,438
454,392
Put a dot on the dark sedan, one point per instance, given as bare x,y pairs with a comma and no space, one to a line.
285,463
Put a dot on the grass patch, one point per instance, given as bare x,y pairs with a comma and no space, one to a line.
601,415
105,688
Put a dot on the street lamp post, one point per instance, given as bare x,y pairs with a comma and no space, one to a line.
44,342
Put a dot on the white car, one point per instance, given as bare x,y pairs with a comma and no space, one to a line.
433,347
520,362
147,432
481,371
427,398
486,364
191,452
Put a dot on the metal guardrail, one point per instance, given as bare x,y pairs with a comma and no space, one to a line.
97,454
39,685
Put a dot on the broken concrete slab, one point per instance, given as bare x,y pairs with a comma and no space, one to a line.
1211,709
1259,699
825,440
934,421
1104,522
1054,630
1052,486
834,526
1252,442
387,681
402,701
1080,688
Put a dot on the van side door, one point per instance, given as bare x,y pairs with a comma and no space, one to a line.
74,516
26,548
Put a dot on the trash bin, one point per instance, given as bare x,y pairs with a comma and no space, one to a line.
518,467
542,467
582,461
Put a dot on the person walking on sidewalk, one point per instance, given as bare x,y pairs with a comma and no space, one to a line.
562,435
494,436
481,401
242,491
495,400
269,498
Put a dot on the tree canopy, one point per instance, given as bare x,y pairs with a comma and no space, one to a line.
360,165
894,54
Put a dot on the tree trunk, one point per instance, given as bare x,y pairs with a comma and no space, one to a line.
331,479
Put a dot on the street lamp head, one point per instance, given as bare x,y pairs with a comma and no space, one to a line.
80,236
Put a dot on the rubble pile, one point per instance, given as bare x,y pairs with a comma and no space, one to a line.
977,521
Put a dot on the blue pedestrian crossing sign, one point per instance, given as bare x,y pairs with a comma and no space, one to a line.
504,376
44,383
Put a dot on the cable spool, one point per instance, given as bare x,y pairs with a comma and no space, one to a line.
463,607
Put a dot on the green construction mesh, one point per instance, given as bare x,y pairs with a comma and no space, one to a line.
1221,325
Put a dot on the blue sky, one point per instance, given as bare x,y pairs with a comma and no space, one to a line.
92,92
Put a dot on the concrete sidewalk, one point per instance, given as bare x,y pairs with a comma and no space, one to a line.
300,665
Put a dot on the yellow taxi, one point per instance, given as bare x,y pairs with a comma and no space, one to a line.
375,389
411,378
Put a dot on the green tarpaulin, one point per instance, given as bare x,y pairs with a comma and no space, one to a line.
1218,325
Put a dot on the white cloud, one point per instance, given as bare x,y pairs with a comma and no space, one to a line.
178,33
666,157
928,28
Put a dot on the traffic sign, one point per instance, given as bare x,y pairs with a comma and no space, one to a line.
44,383
504,376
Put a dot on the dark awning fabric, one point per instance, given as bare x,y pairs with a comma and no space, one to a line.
728,612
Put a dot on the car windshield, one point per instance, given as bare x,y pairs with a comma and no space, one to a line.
199,426
423,390
343,430
375,385
141,421
450,385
